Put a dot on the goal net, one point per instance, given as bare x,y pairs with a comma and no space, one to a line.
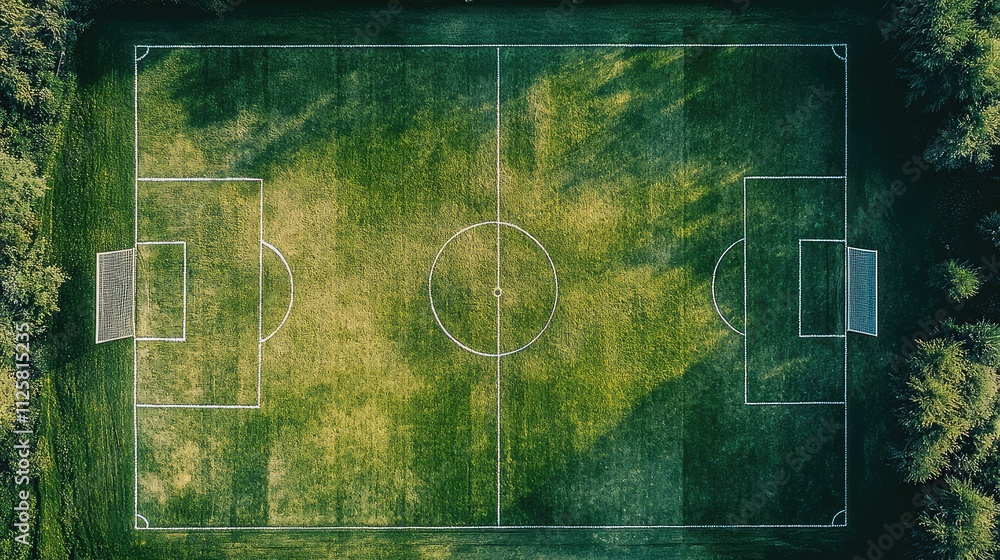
115,295
862,291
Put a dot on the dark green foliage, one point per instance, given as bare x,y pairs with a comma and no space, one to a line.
980,456
958,280
212,6
937,402
989,227
949,53
30,282
960,525
980,340
951,415
35,36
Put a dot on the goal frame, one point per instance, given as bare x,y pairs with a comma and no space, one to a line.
851,251
128,307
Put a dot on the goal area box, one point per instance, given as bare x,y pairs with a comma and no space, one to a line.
161,291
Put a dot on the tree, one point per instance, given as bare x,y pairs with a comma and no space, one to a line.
980,340
34,36
934,414
959,281
959,525
949,54
29,282
989,227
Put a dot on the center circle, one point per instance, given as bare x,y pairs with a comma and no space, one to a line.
503,260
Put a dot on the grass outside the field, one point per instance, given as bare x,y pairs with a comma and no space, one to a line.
94,188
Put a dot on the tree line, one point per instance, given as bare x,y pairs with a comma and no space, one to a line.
948,58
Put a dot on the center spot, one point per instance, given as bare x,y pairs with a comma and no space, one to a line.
463,276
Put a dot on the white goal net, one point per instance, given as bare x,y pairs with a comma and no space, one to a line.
862,291
115,295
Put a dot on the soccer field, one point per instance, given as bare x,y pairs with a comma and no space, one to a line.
490,286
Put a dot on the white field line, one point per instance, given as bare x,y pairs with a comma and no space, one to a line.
213,406
291,297
493,45
193,179
822,335
836,54
846,96
498,288
159,339
135,344
499,426
260,291
801,241
746,325
143,518
487,527
714,301
773,177
794,403
184,323
555,300
835,516
847,287
183,337
488,45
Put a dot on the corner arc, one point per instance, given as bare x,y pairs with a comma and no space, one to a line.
836,516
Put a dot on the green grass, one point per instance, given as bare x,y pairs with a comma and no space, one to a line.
220,222
823,282
159,293
611,419
781,365
372,159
